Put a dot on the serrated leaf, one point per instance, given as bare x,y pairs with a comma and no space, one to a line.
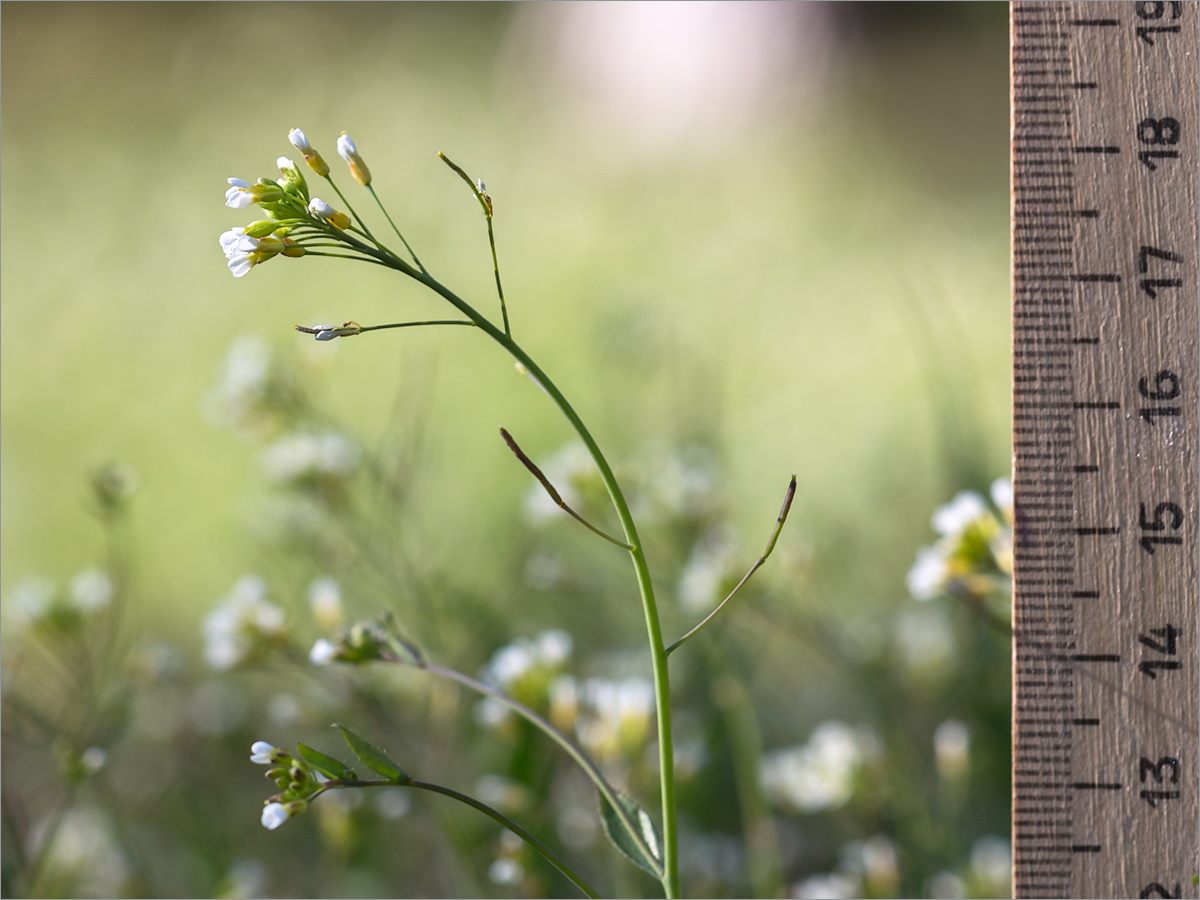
614,827
372,757
326,765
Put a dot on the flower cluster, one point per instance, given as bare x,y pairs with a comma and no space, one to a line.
38,602
973,555
821,774
244,626
296,221
527,671
298,783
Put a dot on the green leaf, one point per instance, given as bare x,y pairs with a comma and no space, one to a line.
326,765
372,757
617,833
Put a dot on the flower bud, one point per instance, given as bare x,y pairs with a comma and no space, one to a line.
323,210
242,194
267,754
311,156
348,152
292,179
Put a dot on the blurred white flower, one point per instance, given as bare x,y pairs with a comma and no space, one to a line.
244,381
84,855
569,470
31,599
546,654
306,456
1002,496
829,886
92,589
991,864
951,518
951,743
323,653
927,577
244,622
325,599
820,774
93,759
615,716
505,871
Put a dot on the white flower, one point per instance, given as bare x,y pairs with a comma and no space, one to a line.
32,598
322,653
274,815
263,753
831,886
91,589
820,774
93,759
240,194
305,456
554,647
349,152
245,621
1002,496
951,742
325,599
991,861
927,577
616,715
953,517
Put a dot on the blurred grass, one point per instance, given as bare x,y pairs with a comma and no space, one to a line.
766,291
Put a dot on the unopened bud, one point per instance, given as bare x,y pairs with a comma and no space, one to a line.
324,211
348,152
311,156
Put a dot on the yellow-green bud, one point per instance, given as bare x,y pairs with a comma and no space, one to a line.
311,156
348,152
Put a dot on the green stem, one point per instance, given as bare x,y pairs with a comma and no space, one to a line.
512,826
412,253
581,759
658,651
495,814
758,563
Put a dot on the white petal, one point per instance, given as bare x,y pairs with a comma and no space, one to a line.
238,182
273,815
346,148
322,653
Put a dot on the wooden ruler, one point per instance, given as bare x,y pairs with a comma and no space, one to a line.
1106,369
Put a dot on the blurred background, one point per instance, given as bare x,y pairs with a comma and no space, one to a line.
746,239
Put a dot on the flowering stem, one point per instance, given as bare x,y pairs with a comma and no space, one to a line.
504,820
411,252
783,514
589,768
658,652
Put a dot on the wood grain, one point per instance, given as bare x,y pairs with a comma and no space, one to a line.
1106,351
